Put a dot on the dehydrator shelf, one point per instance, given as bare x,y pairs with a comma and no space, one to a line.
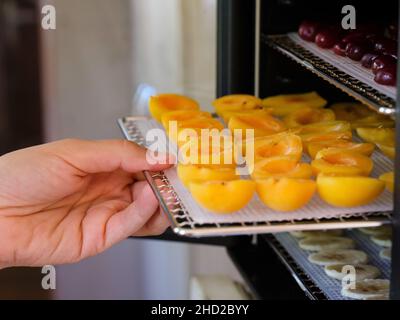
346,82
184,224
305,282
312,278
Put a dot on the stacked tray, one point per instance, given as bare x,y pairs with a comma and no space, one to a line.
343,73
311,277
189,219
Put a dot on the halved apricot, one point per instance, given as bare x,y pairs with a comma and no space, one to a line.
360,116
351,111
195,173
308,115
286,194
377,135
192,127
262,126
236,102
364,148
208,155
259,112
223,196
342,162
325,136
162,103
182,115
281,167
322,127
388,149
348,191
374,121
281,144
388,179
282,105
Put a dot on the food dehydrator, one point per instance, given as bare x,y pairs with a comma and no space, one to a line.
260,53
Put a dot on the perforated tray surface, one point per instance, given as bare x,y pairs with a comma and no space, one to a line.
188,218
313,277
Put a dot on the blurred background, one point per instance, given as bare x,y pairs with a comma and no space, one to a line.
75,81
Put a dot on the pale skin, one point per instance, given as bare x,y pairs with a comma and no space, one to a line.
72,199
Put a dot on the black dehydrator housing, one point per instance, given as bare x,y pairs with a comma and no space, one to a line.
247,63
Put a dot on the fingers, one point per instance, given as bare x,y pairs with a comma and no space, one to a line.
157,225
109,155
132,219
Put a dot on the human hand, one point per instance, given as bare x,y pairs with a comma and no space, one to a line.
68,200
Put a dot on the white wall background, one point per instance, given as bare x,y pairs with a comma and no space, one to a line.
99,53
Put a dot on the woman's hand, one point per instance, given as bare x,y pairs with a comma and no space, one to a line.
68,200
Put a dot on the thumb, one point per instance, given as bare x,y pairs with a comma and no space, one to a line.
133,218
109,155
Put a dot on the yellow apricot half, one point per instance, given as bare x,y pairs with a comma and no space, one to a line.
388,179
348,191
195,173
282,105
364,148
281,167
285,194
236,102
192,127
281,144
325,136
223,196
308,115
182,115
342,162
351,111
322,127
162,103
388,149
377,135
211,156
262,126
360,115
259,112
374,121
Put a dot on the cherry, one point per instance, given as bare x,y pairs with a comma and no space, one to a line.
386,76
356,49
368,59
382,61
340,49
308,30
327,38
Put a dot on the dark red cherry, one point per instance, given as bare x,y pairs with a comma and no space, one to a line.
355,50
340,49
383,61
386,76
368,59
308,30
327,38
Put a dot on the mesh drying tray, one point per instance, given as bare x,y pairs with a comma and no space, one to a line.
312,278
189,219
345,74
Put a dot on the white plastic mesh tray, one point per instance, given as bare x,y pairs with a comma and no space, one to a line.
256,211
329,286
186,213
